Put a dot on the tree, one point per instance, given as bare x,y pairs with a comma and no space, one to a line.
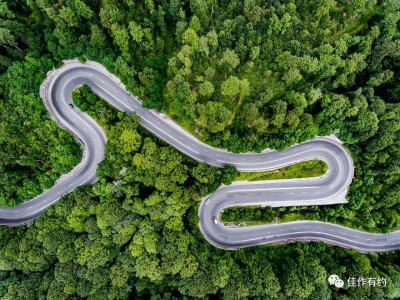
252,11
254,53
212,39
279,113
209,73
366,126
231,87
204,173
292,119
83,10
250,111
6,38
97,37
68,16
214,116
195,24
136,31
5,11
203,46
229,60
131,140
201,9
190,37
206,89
121,37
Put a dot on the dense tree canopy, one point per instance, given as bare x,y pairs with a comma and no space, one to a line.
242,75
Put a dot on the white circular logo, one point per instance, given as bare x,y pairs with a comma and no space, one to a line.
332,279
339,283
335,280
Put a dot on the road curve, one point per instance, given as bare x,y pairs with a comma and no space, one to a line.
328,189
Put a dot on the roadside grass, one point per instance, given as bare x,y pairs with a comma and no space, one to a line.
256,215
183,121
290,218
311,168
250,215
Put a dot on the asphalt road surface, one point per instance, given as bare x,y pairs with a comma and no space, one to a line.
328,189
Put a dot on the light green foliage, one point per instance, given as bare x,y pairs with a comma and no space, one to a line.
231,87
5,10
68,16
6,38
206,89
97,37
204,173
243,75
136,31
121,37
229,59
209,73
131,140
214,116
212,39
203,46
191,38
83,9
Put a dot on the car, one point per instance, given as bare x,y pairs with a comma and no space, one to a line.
71,105
214,218
207,200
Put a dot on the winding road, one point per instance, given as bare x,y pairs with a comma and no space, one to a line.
330,188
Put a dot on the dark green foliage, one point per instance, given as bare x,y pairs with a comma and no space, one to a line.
248,214
245,75
35,151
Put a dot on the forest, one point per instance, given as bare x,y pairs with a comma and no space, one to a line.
241,75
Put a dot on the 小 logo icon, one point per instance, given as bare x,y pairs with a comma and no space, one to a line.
336,281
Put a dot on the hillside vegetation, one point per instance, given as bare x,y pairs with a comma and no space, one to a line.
242,75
